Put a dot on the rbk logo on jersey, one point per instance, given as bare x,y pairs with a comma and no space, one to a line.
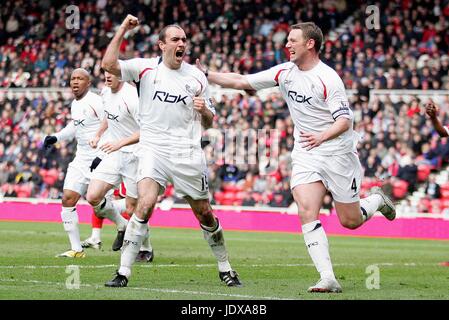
110,116
79,122
170,98
298,97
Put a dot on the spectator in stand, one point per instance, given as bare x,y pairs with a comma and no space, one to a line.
432,188
248,200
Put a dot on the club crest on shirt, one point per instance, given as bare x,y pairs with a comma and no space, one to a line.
344,104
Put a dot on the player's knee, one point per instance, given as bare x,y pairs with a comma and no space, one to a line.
205,215
93,199
68,201
147,206
350,223
308,214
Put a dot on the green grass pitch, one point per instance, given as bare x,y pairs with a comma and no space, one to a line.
271,266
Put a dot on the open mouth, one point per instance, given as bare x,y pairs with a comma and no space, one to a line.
179,53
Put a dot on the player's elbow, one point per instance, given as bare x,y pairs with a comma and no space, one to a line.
109,65
106,65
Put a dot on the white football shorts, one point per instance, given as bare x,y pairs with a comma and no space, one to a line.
78,176
341,174
118,167
187,173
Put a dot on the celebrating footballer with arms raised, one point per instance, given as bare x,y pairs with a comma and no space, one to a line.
173,106
324,157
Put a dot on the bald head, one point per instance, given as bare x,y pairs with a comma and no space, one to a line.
79,82
81,71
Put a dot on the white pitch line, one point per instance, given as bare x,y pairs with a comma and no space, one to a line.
242,296
285,265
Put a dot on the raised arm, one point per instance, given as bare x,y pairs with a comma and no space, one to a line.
110,60
431,111
226,80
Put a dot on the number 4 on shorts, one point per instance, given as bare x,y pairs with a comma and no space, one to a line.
354,185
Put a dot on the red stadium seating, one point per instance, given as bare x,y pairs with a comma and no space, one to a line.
423,172
444,189
400,189
49,176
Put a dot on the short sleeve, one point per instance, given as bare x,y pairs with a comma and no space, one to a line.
133,69
337,100
268,78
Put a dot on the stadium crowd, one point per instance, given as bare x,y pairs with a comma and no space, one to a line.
398,150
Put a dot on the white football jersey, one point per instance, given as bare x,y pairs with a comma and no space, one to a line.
168,121
315,99
86,120
120,110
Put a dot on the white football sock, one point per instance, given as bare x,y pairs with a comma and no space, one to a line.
369,205
318,247
146,244
106,209
134,235
96,234
70,222
215,239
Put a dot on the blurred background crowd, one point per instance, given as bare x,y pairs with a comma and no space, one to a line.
399,150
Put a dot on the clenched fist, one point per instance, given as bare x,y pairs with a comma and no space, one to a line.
431,110
130,22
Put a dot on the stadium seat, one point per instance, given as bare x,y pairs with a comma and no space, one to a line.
49,176
218,196
444,190
400,189
423,172
240,195
444,193
23,190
